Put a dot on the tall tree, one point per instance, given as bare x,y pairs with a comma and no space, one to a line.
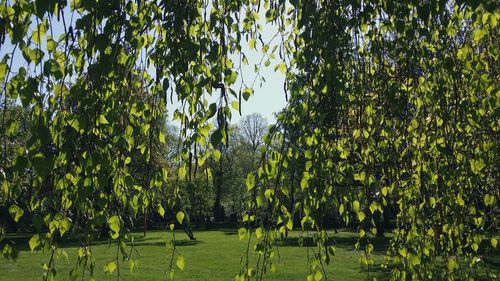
254,127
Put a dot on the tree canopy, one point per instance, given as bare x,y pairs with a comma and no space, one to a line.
391,104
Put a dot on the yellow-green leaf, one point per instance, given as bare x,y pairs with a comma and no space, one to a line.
180,216
103,120
355,205
180,262
34,242
114,226
251,43
258,232
15,212
361,216
242,232
235,105
110,267
161,211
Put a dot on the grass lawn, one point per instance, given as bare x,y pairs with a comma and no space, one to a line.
215,255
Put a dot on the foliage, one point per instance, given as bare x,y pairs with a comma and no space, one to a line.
397,104
95,76
390,104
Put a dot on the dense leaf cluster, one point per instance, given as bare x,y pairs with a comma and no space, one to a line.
397,105
391,105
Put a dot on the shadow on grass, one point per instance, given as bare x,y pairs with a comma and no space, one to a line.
229,232
21,241
380,244
178,243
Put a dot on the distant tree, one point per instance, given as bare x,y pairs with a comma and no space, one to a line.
253,128
14,137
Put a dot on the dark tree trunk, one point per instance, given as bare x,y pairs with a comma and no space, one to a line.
145,221
217,209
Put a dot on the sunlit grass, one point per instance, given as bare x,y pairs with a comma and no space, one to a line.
215,255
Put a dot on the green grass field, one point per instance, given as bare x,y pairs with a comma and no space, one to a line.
215,255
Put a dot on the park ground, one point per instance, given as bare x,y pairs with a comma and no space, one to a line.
215,255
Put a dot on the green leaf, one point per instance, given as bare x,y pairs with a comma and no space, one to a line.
216,138
452,265
489,200
15,212
64,225
43,165
259,232
364,28
308,154
341,209
39,33
355,206
361,216
251,43
415,260
51,45
231,78
161,211
242,232
304,182
34,242
494,242
250,182
216,153
235,105
5,188
318,276
161,137
103,120
3,70
182,172
402,252
385,190
478,164
114,225
12,127
373,207
247,92
269,193
180,216
479,34
212,109
281,67
43,6
432,201
180,262
110,267
493,20
131,265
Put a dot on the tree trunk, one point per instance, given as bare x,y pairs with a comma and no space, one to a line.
145,220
